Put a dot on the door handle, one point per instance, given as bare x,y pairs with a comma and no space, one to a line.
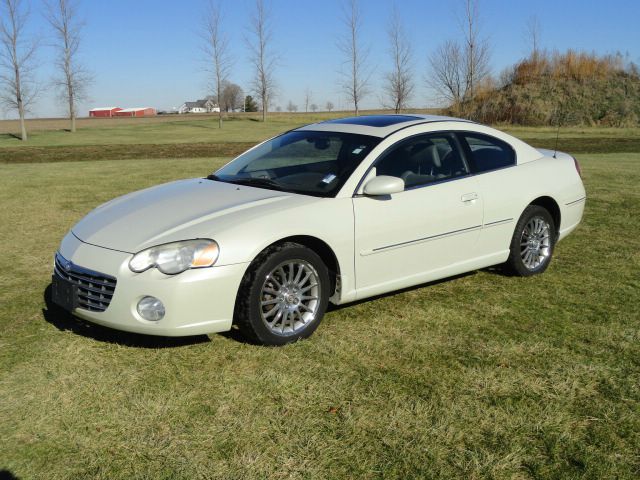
469,197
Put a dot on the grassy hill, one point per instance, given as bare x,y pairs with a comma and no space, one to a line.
571,89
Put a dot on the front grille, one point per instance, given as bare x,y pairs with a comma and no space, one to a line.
95,289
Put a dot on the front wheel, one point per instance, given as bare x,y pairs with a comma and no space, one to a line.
283,295
532,242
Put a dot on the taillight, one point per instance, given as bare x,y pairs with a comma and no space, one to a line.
578,169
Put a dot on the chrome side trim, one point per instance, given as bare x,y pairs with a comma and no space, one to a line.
419,240
575,201
498,222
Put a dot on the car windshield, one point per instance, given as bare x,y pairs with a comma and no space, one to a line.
306,162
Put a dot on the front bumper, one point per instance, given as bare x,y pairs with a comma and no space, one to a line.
198,301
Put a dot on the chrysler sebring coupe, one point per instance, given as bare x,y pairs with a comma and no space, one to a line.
332,212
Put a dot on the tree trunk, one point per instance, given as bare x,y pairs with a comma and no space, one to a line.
23,127
72,111
219,94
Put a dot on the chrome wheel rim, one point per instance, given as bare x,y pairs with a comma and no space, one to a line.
535,243
290,297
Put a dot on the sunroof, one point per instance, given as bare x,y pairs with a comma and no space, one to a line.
375,120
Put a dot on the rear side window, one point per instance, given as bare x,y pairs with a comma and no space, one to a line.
488,153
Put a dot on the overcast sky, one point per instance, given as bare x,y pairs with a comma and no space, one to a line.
148,52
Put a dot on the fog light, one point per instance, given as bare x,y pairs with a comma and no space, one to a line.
150,308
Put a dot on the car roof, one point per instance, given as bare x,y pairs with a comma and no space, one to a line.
377,125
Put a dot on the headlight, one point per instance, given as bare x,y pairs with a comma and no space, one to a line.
173,258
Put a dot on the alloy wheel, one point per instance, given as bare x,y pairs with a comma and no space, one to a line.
535,242
290,297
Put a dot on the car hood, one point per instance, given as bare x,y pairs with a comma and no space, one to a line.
174,211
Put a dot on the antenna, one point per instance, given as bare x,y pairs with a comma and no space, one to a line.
555,148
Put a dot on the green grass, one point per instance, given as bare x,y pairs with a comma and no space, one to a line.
178,133
187,129
482,376
156,130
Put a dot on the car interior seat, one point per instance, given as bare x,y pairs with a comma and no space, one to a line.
423,162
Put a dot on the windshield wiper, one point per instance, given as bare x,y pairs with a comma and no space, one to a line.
257,182
213,176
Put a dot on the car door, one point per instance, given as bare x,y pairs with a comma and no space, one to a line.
500,182
424,232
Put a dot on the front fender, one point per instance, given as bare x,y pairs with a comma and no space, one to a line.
329,220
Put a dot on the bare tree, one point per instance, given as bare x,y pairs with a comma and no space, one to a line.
17,60
216,49
307,99
329,106
457,70
73,79
263,59
532,33
313,107
292,107
446,75
355,79
399,83
476,49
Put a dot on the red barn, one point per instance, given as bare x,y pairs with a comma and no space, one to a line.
135,112
104,111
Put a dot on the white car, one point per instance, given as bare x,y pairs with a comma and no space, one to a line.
333,212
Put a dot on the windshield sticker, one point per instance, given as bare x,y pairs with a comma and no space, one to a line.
359,149
329,178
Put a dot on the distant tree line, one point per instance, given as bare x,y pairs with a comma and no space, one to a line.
544,88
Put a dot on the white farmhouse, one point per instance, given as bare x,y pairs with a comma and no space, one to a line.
207,105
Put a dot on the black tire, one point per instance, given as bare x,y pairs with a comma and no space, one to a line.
248,315
515,264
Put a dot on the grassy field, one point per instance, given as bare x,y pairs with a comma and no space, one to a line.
482,376
198,136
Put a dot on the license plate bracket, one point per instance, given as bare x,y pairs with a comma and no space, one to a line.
64,293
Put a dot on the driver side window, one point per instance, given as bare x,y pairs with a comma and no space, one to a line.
423,159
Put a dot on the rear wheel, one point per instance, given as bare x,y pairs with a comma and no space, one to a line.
532,242
283,295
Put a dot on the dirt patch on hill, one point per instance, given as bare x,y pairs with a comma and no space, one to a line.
120,152
575,145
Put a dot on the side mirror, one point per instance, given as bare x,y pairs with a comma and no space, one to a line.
384,185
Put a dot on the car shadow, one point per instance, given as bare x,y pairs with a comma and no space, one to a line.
498,270
7,475
335,308
65,322
235,335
